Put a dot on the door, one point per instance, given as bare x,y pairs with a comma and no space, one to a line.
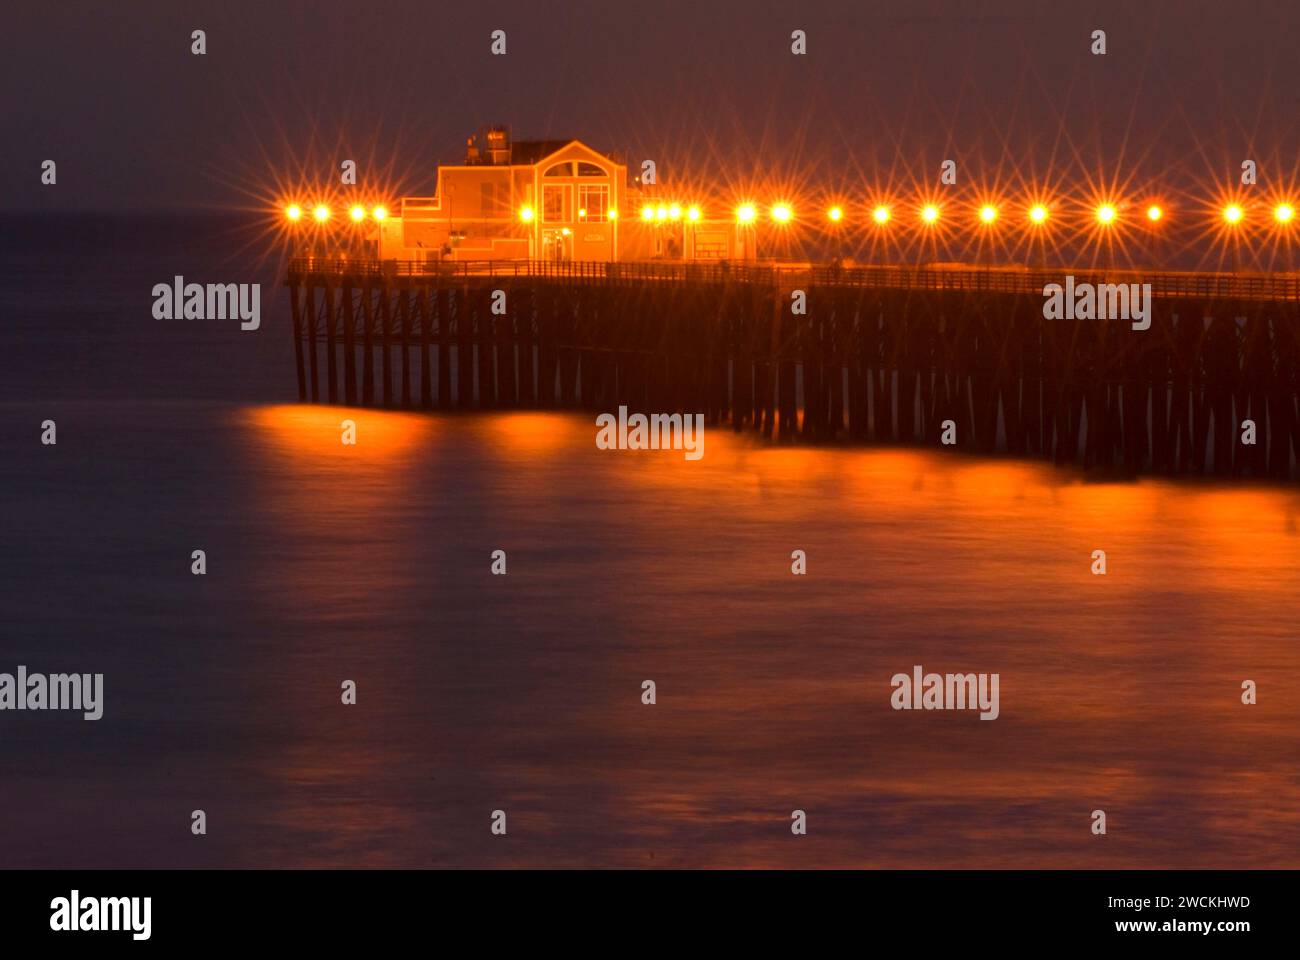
555,245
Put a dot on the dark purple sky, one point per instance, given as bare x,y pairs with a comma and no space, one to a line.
888,89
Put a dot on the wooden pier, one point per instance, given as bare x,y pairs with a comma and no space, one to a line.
882,355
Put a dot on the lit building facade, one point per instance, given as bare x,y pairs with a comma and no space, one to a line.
549,200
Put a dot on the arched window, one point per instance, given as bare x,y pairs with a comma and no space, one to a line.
591,170
564,169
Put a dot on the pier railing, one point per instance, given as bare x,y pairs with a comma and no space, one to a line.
984,279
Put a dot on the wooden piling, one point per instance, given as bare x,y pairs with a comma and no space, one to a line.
446,300
404,318
368,349
466,307
294,296
484,347
385,331
423,309
331,364
349,347
311,340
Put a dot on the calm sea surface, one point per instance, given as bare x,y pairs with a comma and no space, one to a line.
522,693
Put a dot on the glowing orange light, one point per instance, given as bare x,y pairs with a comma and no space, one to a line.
835,214
781,213
693,214
880,215
379,213
1284,213
582,213
1154,213
613,214
532,435
675,212
1038,213
988,214
293,212
1106,213
746,213
305,431
526,214
661,213
321,213
1232,213
357,214
647,213
930,214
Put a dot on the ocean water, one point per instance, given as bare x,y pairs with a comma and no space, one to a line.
522,693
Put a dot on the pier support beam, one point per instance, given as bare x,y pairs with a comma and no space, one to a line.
296,304
349,348
311,340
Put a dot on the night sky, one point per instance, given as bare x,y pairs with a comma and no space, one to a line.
709,89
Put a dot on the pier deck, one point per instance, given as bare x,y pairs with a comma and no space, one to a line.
991,279
884,354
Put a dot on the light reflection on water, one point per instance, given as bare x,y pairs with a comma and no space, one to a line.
522,692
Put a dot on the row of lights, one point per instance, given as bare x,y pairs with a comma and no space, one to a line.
671,212
747,213
1038,214
321,213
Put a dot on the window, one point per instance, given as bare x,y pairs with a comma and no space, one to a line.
564,169
590,170
555,203
593,198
